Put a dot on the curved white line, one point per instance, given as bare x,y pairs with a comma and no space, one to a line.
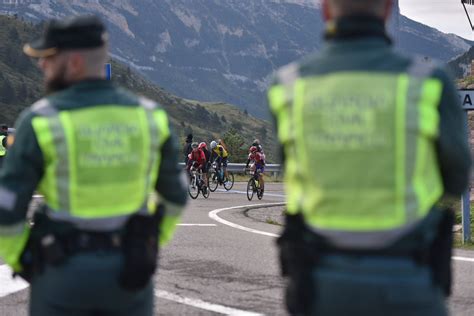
465,259
203,305
214,216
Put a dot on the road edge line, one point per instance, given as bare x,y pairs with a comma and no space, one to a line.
213,215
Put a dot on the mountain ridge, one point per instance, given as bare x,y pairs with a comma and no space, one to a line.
21,85
222,51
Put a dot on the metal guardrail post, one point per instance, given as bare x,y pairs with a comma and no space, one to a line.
466,201
466,217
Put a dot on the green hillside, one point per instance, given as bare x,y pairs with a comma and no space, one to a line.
20,85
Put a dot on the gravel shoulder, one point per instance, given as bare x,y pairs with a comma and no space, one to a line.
270,215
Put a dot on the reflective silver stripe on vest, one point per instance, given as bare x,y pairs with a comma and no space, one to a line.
421,69
171,209
147,103
94,224
287,77
7,199
62,168
44,108
365,240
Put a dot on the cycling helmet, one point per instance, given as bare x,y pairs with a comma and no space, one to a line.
253,149
256,142
202,145
213,144
194,145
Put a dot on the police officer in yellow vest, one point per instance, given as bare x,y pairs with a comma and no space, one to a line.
106,164
3,142
371,141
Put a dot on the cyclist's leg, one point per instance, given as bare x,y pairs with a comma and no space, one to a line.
204,174
224,164
260,176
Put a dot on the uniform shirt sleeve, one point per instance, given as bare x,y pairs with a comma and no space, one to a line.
22,170
452,145
170,185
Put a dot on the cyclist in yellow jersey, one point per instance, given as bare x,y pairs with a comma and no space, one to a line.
219,154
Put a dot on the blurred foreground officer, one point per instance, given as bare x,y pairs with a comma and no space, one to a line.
97,153
372,140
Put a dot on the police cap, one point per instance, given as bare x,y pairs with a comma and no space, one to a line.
80,32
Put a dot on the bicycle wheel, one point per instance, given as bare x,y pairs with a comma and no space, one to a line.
213,182
250,189
229,182
193,189
205,191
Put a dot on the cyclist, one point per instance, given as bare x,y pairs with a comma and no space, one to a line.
203,146
219,154
257,144
258,165
196,159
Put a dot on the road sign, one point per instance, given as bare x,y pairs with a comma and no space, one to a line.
468,2
108,71
467,99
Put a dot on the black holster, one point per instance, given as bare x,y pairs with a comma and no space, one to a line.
441,251
298,256
140,250
43,246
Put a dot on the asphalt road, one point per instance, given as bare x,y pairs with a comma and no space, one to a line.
213,268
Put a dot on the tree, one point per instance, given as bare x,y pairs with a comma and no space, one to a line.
237,125
235,142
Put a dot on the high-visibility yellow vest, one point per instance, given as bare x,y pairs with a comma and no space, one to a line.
101,162
360,152
3,150
220,151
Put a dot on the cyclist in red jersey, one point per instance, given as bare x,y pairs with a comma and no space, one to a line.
258,165
196,158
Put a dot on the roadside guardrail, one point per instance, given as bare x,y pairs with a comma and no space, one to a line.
275,169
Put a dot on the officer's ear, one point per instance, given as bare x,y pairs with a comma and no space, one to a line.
76,66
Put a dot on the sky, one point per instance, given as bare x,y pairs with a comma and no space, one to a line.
447,16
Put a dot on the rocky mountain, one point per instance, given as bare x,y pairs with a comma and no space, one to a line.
218,50
20,86
461,66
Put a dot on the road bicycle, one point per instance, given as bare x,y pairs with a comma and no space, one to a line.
217,177
196,185
254,186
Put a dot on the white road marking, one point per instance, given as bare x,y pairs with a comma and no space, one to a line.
204,225
462,259
203,305
214,216
9,285
244,192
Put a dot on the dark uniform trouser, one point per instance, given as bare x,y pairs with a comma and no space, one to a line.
1,160
348,285
87,285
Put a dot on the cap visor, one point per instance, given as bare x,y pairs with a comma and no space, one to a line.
39,52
